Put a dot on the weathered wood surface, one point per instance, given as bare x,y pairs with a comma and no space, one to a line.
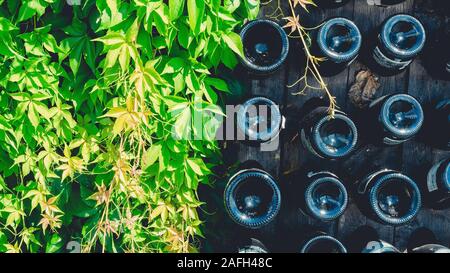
413,157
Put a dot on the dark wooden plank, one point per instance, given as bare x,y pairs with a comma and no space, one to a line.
368,19
271,87
222,234
369,157
295,158
417,156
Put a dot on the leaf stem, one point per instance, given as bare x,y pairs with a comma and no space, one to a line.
311,63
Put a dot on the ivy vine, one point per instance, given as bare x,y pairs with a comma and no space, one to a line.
96,103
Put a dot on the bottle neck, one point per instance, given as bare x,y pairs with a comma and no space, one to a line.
326,197
335,137
431,248
252,198
260,119
395,198
403,44
323,244
266,46
379,246
253,246
402,116
339,40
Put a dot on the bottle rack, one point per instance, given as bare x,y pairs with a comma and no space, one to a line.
413,157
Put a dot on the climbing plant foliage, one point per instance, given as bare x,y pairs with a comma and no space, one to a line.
97,100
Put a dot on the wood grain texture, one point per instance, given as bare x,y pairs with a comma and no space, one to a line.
296,160
369,157
417,156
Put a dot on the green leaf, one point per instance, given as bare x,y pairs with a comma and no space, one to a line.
90,55
151,155
174,65
194,166
75,56
196,9
218,84
132,32
3,242
232,5
120,48
20,96
252,7
234,42
6,25
33,115
3,185
78,46
54,244
228,58
29,8
161,19
176,8
112,39
111,13
7,46
182,125
35,196
184,37
50,43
